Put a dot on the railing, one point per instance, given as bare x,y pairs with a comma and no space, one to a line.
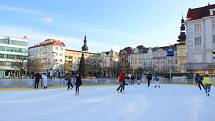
29,83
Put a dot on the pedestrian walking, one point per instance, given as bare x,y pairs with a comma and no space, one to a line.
68,78
78,83
198,80
37,77
121,87
45,80
157,81
149,78
207,81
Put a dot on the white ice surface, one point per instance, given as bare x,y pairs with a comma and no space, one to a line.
103,103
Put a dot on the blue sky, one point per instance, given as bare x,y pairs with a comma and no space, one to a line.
107,23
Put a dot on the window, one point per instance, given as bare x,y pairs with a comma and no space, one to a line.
213,58
213,39
56,48
61,60
213,12
62,49
198,41
197,28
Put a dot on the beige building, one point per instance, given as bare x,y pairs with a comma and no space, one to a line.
72,59
181,57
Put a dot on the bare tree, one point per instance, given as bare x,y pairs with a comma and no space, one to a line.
21,65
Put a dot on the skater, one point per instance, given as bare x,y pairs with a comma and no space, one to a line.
198,80
78,83
127,79
139,78
69,81
45,81
121,87
157,81
37,77
132,79
149,78
207,81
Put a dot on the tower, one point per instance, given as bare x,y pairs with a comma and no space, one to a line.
84,47
182,36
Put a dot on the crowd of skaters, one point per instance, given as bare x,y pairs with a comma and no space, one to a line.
203,81
68,78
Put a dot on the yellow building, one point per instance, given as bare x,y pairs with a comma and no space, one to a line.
181,57
72,59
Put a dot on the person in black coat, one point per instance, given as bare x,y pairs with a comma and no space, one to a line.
198,80
132,79
149,78
78,83
37,80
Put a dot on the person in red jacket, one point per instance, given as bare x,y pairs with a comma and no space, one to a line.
121,82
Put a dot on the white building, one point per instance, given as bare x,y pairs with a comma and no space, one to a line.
200,28
162,61
139,58
12,52
49,54
147,60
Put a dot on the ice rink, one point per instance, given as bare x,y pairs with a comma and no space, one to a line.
103,103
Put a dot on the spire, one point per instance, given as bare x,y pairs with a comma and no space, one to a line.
182,36
84,47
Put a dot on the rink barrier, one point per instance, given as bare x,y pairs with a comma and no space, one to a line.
53,83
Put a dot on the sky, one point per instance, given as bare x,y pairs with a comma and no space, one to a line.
108,24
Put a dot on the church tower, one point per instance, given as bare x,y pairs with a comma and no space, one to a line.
84,47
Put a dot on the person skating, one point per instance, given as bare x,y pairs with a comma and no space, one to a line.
121,87
69,81
139,78
207,81
78,83
198,80
132,79
157,81
149,78
45,81
37,80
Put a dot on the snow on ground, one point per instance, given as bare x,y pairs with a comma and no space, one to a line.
103,103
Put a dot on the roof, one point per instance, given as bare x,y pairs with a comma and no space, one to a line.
49,42
198,13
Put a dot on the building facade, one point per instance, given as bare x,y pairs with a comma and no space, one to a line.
162,61
200,29
13,52
72,59
123,59
47,56
147,60
136,58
